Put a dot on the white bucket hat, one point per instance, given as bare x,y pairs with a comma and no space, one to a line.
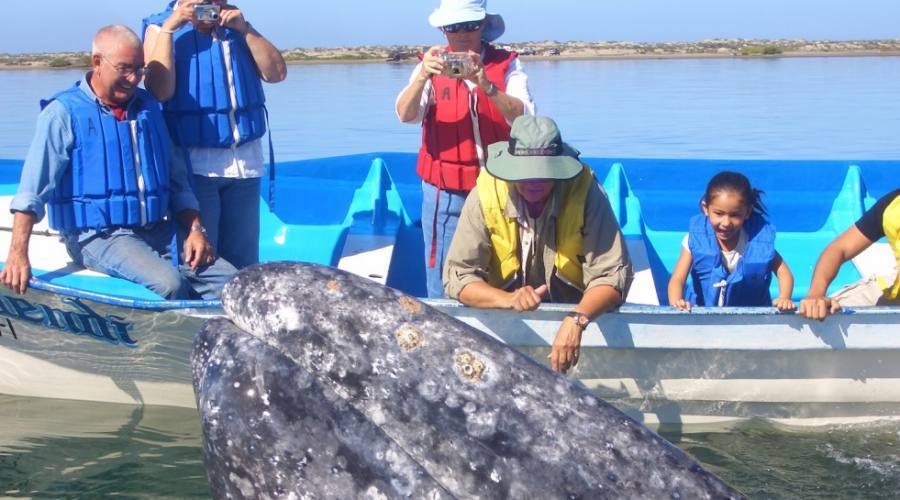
463,11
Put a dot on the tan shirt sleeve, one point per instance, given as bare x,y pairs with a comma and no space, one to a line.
606,260
469,257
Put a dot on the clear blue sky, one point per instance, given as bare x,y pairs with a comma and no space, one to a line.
57,25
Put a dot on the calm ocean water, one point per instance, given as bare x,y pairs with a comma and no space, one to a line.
814,108
789,108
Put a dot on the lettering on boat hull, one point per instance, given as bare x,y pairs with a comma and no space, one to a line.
79,320
9,329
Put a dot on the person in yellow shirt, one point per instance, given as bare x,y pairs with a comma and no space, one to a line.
882,220
538,228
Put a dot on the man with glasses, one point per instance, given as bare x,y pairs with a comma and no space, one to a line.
207,67
101,162
465,95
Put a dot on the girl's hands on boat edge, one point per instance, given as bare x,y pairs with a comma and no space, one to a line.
784,304
682,305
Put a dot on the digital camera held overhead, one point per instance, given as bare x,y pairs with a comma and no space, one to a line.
207,13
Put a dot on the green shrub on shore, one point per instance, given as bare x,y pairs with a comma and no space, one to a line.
358,56
59,62
347,56
761,50
297,56
83,61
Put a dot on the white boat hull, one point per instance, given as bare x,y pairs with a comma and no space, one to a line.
660,366
71,357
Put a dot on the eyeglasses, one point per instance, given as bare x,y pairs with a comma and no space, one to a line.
124,70
468,27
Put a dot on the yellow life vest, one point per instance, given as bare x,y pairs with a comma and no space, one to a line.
494,194
891,223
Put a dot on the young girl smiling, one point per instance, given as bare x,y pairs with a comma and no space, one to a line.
728,256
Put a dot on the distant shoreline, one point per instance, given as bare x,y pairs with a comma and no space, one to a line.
627,57
39,66
538,51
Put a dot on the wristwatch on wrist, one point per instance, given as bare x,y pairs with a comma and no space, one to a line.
581,320
491,90
198,228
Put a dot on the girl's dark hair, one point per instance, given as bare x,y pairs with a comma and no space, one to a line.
738,183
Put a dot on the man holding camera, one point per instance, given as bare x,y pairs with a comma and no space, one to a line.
101,163
206,64
466,96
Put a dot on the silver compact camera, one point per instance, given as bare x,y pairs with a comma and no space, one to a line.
207,13
456,64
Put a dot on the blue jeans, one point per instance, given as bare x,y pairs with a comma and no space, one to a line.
144,256
229,209
448,206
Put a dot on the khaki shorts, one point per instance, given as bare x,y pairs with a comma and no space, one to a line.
865,292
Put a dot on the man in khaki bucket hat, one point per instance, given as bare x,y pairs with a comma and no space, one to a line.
538,228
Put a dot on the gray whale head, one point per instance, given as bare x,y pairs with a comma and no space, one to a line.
326,384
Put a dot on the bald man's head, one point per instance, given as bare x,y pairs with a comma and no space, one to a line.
117,64
112,37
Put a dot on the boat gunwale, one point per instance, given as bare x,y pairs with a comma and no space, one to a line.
625,309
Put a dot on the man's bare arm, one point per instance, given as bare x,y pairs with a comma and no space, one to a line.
17,269
846,246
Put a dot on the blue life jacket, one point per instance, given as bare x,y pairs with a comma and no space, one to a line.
200,112
119,170
749,284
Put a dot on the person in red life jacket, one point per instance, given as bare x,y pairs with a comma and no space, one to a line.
882,288
101,162
728,255
207,64
466,95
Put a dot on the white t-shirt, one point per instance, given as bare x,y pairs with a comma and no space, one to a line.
516,86
239,162
729,257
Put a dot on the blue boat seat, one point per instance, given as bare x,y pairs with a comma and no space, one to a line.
319,243
52,264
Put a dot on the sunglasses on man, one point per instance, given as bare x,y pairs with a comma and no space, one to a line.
468,27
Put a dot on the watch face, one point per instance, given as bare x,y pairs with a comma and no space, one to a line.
580,319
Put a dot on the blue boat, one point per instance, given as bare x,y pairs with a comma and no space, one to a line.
81,335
